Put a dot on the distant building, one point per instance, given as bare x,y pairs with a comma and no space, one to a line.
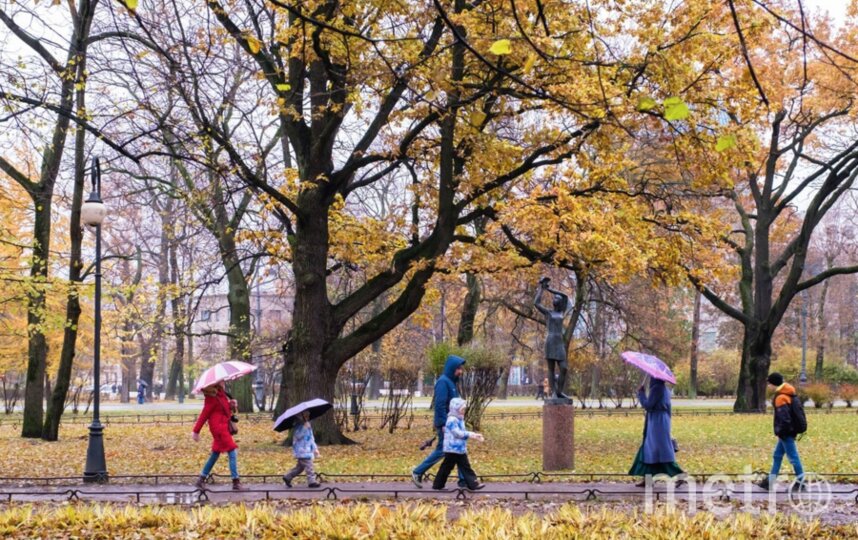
268,311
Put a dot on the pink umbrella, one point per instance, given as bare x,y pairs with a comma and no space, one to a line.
650,365
224,371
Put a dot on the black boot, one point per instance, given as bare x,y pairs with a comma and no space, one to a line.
236,485
200,483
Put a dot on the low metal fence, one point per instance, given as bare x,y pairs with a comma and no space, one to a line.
419,416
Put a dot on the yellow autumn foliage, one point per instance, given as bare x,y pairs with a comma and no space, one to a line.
397,520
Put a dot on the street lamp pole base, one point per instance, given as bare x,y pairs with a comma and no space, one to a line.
96,465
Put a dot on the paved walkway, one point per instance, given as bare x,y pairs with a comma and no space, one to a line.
221,492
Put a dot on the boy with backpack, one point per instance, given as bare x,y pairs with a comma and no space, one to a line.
789,422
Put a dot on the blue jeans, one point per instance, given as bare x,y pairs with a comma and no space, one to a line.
434,457
141,397
786,447
233,463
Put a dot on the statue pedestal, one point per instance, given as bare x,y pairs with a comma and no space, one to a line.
558,435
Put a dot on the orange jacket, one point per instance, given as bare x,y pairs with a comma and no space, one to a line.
783,422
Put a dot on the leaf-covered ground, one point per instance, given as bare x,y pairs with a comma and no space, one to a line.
398,521
710,444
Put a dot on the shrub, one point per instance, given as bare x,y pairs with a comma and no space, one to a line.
717,374
787,361
438,354
484,366
848,393
820,393
839,374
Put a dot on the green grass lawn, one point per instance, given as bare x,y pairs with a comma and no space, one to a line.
709,444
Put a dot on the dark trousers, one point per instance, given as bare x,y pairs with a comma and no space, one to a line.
459,461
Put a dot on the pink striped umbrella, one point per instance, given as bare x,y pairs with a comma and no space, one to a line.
224,371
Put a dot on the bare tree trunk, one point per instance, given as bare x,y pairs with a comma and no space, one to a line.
469,309
695,346
51,428
821,328
240,333
177,306
37,348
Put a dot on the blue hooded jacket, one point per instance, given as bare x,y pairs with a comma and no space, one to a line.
445,389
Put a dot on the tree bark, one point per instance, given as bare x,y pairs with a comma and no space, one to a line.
148,355
240,332
41,194
470,307
128,350
37,347
51,428
177,308
307,372
695,346
821,329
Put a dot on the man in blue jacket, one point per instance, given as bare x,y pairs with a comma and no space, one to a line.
445,390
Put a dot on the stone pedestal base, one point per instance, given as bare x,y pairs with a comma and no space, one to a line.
558,435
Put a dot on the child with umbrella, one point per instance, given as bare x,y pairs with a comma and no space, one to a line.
303,443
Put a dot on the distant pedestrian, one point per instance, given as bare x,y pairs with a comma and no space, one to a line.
543,390
305,450
217,411
141,393
445,390
456,448
657,453
789,422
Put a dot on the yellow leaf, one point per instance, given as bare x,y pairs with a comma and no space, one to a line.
528,64
253,44
501,47
725,142
646,103
131,4
283,87
675,109
477,118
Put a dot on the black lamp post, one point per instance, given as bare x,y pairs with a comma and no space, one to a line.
92,213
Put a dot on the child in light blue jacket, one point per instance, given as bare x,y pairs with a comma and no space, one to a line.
456,448
304,448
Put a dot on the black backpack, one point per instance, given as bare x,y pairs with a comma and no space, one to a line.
799,420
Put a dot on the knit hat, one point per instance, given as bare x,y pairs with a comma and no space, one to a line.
775,378
457,406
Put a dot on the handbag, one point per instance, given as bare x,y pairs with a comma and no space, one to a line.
232,423
675,445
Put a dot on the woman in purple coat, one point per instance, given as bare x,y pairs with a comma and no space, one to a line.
656,454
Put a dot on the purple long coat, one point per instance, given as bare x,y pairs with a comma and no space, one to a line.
657,445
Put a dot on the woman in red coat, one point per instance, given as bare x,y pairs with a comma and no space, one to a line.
217,411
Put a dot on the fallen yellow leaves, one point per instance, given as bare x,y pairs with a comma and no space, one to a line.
720,443
338,520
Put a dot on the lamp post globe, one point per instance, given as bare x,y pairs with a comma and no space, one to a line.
93,211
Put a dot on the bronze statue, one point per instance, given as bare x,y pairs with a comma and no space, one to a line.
555,345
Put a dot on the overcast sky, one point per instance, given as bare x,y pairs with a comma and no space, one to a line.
835,8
